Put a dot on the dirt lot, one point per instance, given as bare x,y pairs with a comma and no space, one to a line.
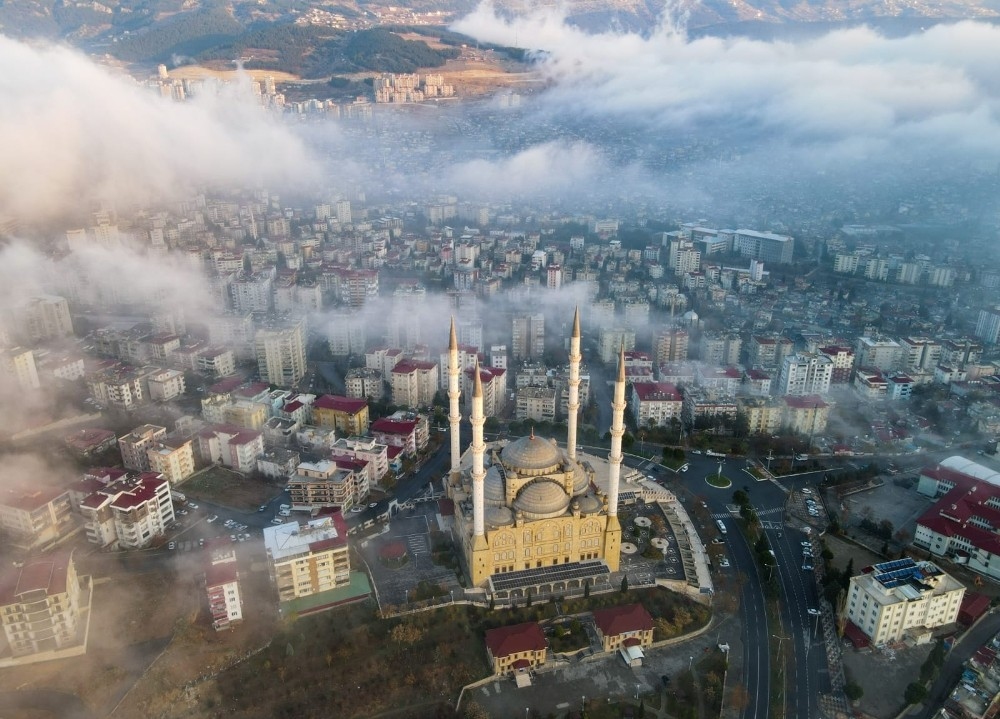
228,488
884,676
200,72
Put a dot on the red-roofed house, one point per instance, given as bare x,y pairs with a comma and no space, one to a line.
410,433
414,383
515,648
345,414
90,441
128,513
656,401
625,626
231,446
40,605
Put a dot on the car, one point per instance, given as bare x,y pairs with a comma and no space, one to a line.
806,490
277,520
201,542
262,508
806,545
284,506
232,537
372,505
212,518
357,510
685,467
807,567
172,545
192,505
724,562
813,612
182,512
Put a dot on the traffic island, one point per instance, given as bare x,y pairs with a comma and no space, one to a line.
719,481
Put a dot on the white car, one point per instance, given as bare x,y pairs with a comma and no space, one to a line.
212,518
277,520
192,505
806,545
724,562
357,510
813,612
806,490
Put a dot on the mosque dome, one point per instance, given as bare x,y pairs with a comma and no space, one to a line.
590,504
493,490
531,453
542,500
499,516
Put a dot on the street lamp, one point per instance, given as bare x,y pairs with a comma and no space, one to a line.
690,662
637,692
583,704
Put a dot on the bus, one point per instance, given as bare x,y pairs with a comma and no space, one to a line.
722,527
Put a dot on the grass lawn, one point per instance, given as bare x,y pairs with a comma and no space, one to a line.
228,488
719,481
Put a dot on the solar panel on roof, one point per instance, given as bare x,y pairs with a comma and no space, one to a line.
557,573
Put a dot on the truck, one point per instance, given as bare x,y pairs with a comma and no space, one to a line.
711,453
178,496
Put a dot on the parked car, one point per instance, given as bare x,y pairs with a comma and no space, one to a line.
212,518
192,505
806,490
262,508
724,562
172,545
277,520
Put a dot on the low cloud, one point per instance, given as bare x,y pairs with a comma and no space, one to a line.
847,87
75,133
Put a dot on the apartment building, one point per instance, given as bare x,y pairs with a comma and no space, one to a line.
215,362
494,384
528,336
134,445
41,605
348,415
843,362
35,516
306,559
656,402
165,385
879,352
281,352
807,414
406,430
128,513
805,374
326,483
764,246
39,318
18,363
536,403
363,449
365,383
233,447
763,415
222,587
174,459
611,340
902,599
414,383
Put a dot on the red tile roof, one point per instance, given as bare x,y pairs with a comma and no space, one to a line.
394,426
218,574
656,392
350,405
409,366
514,639
48,575
619,620
805,402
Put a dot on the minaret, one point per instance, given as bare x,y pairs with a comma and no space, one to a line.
617,430
454,416
478,419
573,403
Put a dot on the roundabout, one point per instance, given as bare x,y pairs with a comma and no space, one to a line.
719,481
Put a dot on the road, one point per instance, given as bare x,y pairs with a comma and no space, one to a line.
808,676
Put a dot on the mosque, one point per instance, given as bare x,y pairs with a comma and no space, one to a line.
530,515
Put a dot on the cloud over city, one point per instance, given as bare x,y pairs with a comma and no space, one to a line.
79,133
850,88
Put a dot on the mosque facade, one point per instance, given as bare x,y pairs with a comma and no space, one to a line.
529,504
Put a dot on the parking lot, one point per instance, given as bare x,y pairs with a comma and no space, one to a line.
892,503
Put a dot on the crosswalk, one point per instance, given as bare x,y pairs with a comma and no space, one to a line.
417,544
734,512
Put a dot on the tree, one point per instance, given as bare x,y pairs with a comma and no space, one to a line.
586,589
915,693
624,584
853,691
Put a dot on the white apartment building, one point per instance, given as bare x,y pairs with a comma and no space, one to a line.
919,354
803,374
40,318
35,516
281,353
414,383
878,352
128,513
364,449
326,484
610,341
309,558
216,362
364,383
902,598
165,385
40,608
133,446
232,447
528,336
19,364
494,383
988,326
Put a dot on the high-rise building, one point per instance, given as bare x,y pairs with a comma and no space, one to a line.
805,374
988,326
880,353
19,363
670,344
764,246
528,336
134,446
281,353
310,558
39,318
